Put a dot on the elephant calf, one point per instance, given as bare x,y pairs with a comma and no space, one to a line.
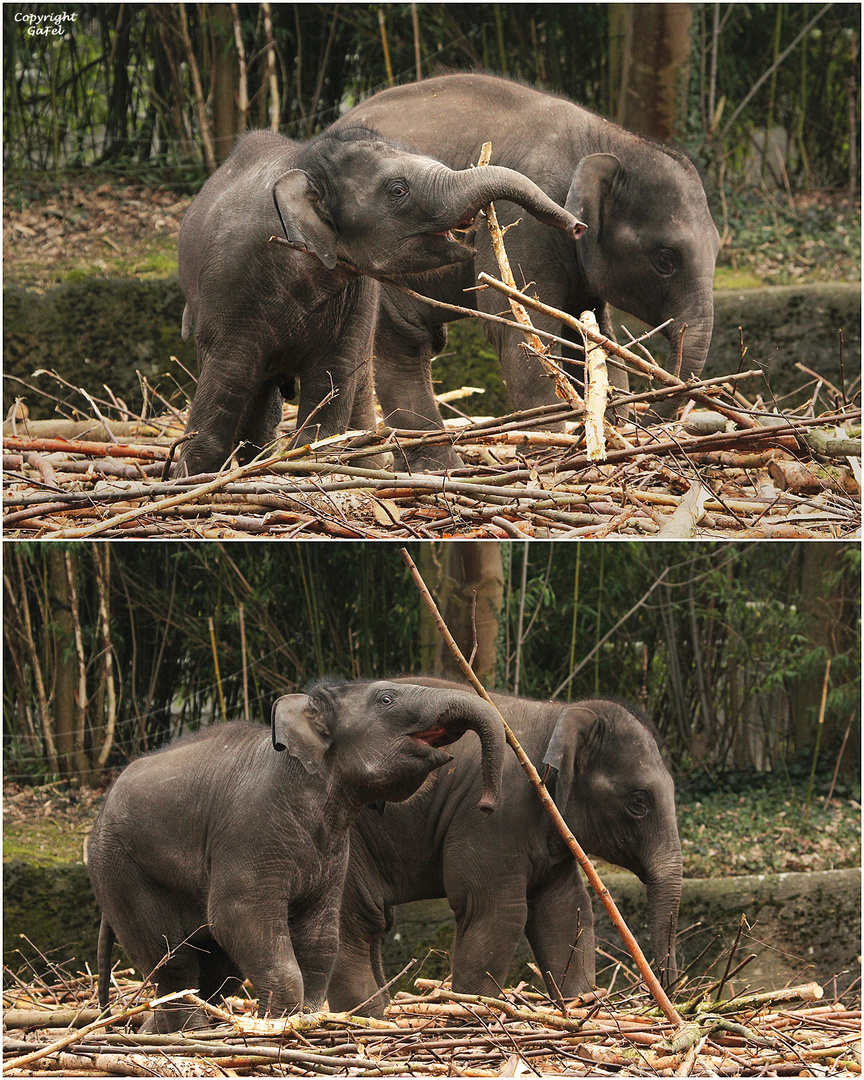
223,855
354,207
514,874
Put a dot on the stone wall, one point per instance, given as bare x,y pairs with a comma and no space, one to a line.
801,926
103,331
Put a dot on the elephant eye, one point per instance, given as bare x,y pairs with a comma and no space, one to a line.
386,699
639,803
398,188
665,261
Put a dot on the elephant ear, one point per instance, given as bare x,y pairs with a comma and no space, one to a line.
296,726
575,729
298,204
592,184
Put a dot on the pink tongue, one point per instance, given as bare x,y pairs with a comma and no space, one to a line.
433,735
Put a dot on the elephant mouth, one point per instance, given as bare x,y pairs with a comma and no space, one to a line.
464,226
435,736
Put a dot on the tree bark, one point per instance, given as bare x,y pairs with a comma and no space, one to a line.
472,567
650,67
64,662
223,80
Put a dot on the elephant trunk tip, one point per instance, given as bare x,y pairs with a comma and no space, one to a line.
488,804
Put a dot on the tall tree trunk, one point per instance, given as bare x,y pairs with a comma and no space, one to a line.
64,662
223,80
650,64
828,602
472,567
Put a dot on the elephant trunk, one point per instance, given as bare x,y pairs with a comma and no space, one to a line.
697,329
663,887
459,711
467,191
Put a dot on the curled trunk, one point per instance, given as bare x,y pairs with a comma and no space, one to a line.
467,191
459,711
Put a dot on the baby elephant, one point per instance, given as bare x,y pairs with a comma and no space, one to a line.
223,855
353,207
513,874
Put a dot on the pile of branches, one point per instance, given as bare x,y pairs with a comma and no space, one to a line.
439,1033
788,477
741,470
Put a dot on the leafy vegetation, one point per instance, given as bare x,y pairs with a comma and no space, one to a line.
150,86
767,829
775,240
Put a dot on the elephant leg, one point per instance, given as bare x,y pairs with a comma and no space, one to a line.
229,405
490,919
334,380
560,931
357,976
404,347
161,935
315,936
250,932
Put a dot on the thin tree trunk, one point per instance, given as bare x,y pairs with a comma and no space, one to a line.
82,765
520,619
223,81
322,71
271,67
200,103
63,662
473,599
102,562
415,26
243,80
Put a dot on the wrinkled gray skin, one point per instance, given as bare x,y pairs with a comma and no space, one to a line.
230,846
513,872
649,249
355,208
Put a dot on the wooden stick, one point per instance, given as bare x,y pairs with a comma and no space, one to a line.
76,1036
641,365
651,980
563,386
598,390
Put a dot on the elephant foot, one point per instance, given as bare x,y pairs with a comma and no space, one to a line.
426,459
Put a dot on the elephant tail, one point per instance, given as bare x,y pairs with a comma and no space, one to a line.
186,327
103,960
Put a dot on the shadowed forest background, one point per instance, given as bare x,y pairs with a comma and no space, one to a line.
111,649
156,86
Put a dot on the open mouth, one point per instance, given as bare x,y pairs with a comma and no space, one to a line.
435,736
463,227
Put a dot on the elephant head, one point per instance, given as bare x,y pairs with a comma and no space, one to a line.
382,739
386,211
651,247
616,794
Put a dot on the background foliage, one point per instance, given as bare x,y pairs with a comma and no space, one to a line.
140,85
109,649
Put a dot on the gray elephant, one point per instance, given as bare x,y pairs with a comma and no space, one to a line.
513,873
229,856
650,246
355,208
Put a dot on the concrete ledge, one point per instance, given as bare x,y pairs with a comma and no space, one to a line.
802,927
